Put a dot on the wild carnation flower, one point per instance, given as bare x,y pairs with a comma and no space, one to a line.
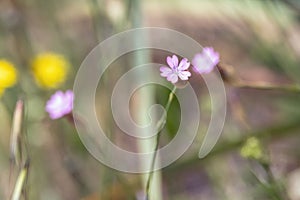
60,104
8,74
50,70
205,61
173,71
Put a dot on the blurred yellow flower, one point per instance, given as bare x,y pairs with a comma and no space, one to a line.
8,74
252,149
50,70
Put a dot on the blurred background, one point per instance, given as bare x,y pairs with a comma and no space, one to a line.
257,156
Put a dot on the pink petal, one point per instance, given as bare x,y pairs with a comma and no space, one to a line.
184,64
173,78
60,104
184,75
165,71
170,62
56,115
204,70
202,64
55,101
212,55
175,60
69,96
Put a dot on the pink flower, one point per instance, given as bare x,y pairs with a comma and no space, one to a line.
173,71
205,62
60,104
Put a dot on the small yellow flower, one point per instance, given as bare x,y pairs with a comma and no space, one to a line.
252,149
50,70
8,74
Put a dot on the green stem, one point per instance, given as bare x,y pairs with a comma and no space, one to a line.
20,183
277,190
160,125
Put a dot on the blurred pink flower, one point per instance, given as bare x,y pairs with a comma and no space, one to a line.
60,104
205,62
173,71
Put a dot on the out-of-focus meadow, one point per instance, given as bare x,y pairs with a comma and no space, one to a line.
257,156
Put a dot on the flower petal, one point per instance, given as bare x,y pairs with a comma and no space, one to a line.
165,71
175,60
173,78
170,62
55,101
184,75
69,96
212,55
202,64
55,115
184,64
60,104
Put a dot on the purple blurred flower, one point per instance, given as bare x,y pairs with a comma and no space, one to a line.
60,104
205,62
173,71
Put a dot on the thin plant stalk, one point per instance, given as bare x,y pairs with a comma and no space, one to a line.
15,146
160,125
135,18
20,183
268,86
19,153
230,76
